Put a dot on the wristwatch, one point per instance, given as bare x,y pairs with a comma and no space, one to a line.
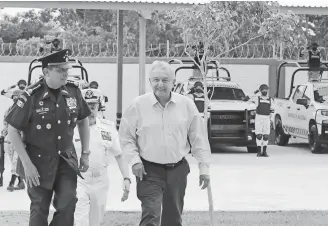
86,152
126,178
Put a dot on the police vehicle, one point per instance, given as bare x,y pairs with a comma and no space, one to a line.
231,114
304,113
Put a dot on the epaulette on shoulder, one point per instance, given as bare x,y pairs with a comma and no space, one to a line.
72,83
107,122
33,88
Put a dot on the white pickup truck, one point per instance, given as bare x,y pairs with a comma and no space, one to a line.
304,114
231,115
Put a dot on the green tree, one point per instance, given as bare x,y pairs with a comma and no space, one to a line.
223,23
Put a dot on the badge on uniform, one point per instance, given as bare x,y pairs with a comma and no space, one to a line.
42,110
20,103
106,135
71,102
89,94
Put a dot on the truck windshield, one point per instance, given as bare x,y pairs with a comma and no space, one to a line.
226,93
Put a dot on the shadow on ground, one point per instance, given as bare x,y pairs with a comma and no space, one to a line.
279,218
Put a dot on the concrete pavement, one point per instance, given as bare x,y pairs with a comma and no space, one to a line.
290,179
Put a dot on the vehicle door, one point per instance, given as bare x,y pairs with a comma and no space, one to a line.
294,112
303,113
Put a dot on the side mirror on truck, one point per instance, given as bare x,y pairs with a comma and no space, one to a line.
303,102
246,98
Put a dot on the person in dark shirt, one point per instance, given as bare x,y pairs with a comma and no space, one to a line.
47,114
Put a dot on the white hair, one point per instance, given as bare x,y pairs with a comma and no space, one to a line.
162,65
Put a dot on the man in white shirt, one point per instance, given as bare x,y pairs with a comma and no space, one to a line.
157,131
92,191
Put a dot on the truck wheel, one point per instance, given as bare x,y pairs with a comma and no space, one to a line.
315,146
280,136
252,149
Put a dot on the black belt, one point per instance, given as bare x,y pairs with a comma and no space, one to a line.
166,165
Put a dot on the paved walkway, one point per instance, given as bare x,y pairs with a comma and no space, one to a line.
291,179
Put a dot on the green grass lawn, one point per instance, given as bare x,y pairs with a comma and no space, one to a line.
279,218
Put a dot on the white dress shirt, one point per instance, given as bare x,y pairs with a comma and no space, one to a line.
103,139
160,134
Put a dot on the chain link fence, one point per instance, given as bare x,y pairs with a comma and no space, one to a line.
99,50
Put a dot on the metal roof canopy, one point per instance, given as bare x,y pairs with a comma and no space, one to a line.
304,7
144,8
118,5
304,10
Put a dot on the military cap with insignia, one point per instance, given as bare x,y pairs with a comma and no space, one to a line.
91,95
58,59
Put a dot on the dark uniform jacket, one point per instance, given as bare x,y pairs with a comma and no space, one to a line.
48,126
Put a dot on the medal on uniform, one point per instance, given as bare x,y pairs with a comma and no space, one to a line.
71,102
48,126
38,126
41,103
68,121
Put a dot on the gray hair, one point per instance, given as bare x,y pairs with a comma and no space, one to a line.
161,65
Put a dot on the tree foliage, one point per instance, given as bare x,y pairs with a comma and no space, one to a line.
227,24
230,23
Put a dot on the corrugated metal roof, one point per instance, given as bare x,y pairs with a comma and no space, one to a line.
304,3
189,2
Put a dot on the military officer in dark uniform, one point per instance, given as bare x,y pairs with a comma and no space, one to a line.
47,114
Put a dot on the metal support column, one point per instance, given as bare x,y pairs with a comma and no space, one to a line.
142,54
119,67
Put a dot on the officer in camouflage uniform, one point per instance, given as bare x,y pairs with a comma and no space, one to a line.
11,150
47,114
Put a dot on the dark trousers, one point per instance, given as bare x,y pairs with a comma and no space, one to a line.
161,193
64,199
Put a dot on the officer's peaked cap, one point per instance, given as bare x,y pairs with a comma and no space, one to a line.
264,86
58,59
91,95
